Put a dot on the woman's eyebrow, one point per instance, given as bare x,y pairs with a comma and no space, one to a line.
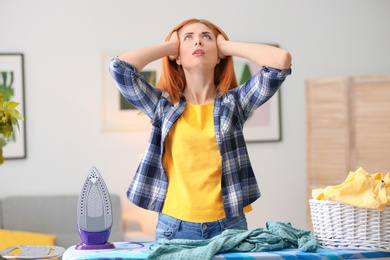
205,32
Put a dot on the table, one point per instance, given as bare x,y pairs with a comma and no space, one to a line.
140,250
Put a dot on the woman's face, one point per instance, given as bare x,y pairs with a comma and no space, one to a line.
198,47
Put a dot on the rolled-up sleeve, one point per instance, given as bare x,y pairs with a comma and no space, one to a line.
261,87
134,87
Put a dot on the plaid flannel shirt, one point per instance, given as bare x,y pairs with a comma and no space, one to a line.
239,186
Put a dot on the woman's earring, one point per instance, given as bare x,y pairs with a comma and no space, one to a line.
178,61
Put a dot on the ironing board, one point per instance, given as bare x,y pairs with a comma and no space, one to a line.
140,250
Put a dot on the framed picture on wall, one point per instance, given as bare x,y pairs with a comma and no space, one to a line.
12,88
265,123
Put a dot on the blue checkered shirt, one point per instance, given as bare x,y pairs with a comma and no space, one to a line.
239,186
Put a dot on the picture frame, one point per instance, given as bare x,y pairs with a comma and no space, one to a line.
12,85
117,116
265,123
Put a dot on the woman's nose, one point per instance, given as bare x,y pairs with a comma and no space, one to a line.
198,42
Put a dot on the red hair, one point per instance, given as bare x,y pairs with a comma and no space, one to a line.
173,80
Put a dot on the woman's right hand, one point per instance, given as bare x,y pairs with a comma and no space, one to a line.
141,57
174,40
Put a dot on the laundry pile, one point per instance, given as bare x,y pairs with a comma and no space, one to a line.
276,236
360,189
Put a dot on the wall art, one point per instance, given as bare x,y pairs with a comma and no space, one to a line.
12,88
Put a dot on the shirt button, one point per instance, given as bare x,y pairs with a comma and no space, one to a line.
204,226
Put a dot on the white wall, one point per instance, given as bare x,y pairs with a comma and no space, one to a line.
63,42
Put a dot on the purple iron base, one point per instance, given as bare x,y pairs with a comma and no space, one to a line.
82,246
94,240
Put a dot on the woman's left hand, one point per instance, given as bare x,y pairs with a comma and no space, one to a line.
220,43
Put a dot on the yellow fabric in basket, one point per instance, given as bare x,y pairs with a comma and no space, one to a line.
360,189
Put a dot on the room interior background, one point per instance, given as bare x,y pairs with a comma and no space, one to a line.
63,43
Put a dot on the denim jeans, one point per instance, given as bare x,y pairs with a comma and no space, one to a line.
172,228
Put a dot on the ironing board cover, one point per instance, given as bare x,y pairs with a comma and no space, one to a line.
140,250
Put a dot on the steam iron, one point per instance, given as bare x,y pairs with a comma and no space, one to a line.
94,213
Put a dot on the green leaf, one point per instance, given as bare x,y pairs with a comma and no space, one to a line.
2,144
1,156
9,117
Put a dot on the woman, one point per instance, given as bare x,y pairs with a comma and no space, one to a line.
196,171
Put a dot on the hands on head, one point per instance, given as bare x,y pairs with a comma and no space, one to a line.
174,39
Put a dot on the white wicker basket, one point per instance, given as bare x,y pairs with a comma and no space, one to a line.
342,226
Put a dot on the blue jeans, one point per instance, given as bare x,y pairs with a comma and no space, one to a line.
172,228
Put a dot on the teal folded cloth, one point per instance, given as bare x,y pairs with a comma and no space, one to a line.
276,236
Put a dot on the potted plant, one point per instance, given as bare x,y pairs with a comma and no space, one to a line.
9,117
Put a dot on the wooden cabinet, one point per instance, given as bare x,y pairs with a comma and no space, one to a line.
347,127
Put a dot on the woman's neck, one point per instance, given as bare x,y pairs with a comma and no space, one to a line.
200,88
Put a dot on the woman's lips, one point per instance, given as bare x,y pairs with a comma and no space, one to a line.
198,52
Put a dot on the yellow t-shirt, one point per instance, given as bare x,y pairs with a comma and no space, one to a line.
193,165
